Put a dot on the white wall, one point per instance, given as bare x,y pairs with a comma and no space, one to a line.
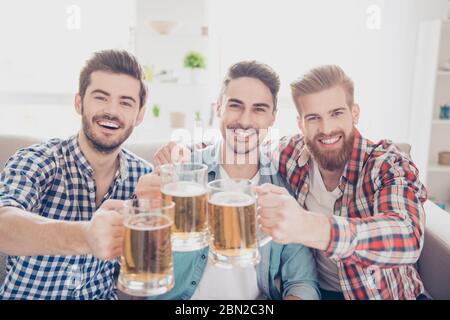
295,35
40,55
42,51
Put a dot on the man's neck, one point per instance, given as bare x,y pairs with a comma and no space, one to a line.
102,164
239,166
332,178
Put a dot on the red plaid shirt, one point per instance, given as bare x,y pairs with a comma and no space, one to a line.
378,223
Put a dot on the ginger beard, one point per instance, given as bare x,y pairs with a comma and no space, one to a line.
325,150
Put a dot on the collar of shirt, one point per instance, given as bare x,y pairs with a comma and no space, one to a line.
83,166
212,157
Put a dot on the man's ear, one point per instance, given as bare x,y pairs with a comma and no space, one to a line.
78,104
219,107
274,117
355,113
140,116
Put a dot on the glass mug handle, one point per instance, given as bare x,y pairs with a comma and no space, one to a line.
261,237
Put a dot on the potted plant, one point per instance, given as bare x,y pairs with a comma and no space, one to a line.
198,119
196,62
156,111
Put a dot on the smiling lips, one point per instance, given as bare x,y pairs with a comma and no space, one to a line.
242,134
108,124
330,141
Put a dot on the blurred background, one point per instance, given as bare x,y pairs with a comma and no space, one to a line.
396,51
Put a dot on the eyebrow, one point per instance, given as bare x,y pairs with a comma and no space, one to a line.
108,94
128,98
258,104
337,109
331,111
262,104
101,91
235,101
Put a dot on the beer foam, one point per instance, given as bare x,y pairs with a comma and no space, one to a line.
184,189
146,222
231,199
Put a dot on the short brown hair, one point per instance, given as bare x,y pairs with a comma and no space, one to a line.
257,70
116,61
322,78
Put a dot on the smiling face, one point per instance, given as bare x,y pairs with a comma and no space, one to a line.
246,111
110,110
327,123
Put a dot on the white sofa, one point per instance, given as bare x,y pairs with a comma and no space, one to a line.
434,263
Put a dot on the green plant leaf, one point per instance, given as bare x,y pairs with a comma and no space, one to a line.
194,60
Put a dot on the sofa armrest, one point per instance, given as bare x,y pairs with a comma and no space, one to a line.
434,262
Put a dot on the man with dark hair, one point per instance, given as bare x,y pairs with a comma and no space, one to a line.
58,220
246,108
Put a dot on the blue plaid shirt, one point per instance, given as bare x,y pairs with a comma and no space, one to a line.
55,181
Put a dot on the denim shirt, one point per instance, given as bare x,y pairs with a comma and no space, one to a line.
284,269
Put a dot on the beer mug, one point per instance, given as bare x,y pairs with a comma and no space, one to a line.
146,263
233,226
185,185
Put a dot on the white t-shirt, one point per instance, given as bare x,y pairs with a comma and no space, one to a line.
228,284
320,200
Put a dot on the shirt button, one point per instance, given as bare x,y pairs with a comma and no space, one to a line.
193,283
76,294
203,256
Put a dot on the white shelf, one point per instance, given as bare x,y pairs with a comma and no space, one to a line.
441,122
438,168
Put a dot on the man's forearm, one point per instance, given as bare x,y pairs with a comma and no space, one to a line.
368,241
27,234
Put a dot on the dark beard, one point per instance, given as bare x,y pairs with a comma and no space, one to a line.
332,160
96,144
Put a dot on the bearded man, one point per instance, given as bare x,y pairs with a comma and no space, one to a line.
356,202
60,221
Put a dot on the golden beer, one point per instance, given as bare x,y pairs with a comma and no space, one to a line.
146,262
185,185
190,215
232,223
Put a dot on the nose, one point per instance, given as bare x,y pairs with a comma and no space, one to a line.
326,126
112,108
245,119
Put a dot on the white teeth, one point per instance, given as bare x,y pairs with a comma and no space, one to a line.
244,133
330,141
108,124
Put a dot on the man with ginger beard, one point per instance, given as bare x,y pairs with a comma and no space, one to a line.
357,203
